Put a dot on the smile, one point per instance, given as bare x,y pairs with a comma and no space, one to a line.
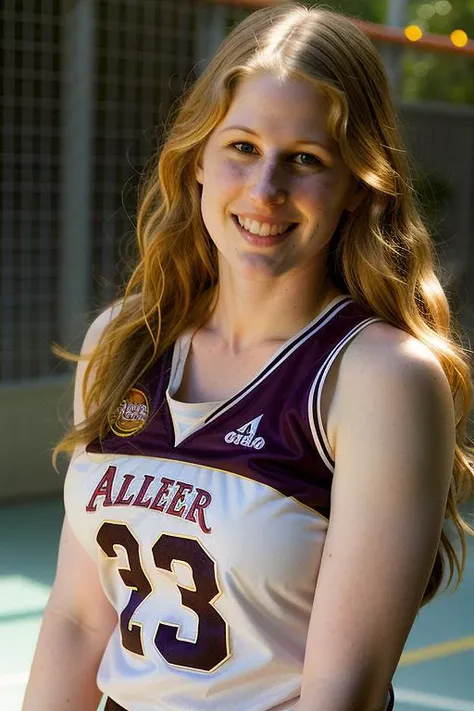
262,234
263,229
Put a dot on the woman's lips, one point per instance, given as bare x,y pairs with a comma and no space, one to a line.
263,240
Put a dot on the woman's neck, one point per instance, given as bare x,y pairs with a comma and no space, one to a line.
250,313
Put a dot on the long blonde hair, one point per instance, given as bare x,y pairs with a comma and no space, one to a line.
381,254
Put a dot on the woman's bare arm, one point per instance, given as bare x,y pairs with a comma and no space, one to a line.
394,452
76,626
78,618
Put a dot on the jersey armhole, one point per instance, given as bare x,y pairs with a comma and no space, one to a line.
315,396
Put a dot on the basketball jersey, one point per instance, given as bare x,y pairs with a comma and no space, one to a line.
208,543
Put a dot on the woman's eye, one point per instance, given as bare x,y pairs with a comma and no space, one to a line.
308,159
242,147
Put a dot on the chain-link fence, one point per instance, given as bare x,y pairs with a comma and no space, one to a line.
30,130
87,87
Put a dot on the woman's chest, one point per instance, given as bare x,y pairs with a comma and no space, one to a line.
211,372
196,514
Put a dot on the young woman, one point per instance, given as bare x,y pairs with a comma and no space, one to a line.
270,425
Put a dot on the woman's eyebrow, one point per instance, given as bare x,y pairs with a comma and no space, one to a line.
238,128
306,142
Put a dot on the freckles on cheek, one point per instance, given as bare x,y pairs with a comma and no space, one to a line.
321,191
223,177
231,171
325,197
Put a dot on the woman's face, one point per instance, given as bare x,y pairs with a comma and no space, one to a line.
273,182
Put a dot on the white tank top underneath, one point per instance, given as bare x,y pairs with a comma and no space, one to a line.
185,415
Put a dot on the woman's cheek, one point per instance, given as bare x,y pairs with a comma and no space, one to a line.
314,194
322,192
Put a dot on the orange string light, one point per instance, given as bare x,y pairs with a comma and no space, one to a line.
384,33
459,38
413,33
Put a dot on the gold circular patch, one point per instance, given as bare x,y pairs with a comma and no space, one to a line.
132,414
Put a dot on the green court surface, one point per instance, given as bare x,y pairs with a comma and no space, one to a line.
436,671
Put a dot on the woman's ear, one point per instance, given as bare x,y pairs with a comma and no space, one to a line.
198,169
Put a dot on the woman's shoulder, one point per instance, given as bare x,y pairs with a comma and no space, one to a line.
93,336
98,326
381,345
104,318
386,362
383,367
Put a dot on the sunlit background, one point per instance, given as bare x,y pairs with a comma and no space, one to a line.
87,85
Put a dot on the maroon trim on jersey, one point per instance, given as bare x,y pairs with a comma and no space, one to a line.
281,452
280,355
391,703
113,706
320,379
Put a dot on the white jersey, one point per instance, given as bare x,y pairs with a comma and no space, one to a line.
209,543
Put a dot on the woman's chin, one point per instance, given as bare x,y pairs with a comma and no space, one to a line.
257,266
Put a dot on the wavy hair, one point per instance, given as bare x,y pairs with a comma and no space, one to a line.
381,254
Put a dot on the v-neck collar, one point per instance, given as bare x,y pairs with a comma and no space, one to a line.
181,350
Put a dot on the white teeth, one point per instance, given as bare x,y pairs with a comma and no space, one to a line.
263,229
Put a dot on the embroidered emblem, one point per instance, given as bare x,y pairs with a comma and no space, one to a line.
132,414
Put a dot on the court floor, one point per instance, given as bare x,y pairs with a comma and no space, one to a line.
435,673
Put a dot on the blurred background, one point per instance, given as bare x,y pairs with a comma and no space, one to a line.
87,86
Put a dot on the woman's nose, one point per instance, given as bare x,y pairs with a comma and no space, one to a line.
266,185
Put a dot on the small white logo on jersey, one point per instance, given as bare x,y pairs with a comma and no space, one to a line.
245,435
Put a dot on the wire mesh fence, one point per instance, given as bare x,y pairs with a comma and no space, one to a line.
30,136
87,86
74,145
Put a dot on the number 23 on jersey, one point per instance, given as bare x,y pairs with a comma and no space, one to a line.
211,647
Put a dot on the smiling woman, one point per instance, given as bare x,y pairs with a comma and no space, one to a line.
270,425
267,187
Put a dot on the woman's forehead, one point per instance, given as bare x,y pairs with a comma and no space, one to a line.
293,109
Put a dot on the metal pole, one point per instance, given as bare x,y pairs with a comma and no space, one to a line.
397,13
76,170
211,30
396,17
